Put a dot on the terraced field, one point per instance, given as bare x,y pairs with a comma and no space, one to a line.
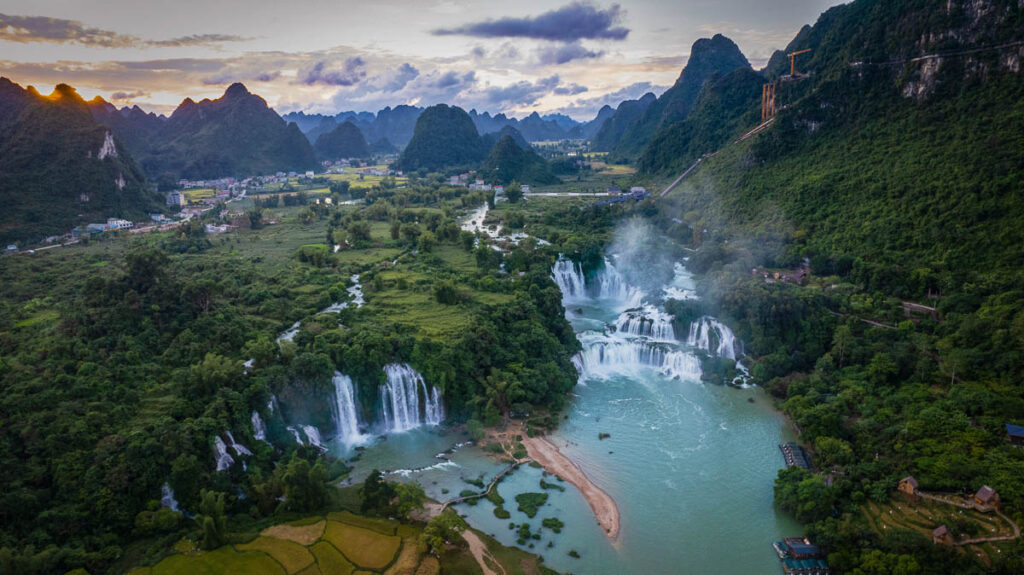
924,516
341,544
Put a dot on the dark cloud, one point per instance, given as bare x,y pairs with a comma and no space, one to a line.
570,90
563,53
586,108
570,23
348,73
26,29
128,95
199,40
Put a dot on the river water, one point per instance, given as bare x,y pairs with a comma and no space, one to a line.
690,465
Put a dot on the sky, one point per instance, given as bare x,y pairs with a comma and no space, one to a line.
327,56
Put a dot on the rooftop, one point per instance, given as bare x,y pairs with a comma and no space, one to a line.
1015,430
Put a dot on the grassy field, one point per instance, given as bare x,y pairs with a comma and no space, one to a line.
195,195
292,556
366,549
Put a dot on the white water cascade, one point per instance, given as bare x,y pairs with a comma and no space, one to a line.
220,451
346,420
604,356
238,447
608,284
712,336
295,432
356,291
167,497
648,322
259,429
313,436
290,333
402,396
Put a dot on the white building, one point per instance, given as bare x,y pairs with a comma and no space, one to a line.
175,198
119,224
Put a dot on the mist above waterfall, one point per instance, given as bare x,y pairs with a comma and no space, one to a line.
643,255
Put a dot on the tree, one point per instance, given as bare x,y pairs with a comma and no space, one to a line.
410,496
427,242
444,528
212,520
304,486
842,341
475,430
376,492
514,192
359,231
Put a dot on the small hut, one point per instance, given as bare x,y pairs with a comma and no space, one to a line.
987,496
942,536
1015,433
908,485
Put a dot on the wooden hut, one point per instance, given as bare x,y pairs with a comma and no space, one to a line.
942,536
908,485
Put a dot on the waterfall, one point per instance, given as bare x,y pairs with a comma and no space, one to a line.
272,404
712,336
167,497
289,334
356,291
647,322
346,420
259,429
313,435
220,451
401,397
238,447
603,356
295,432
569,277
612,285
608,284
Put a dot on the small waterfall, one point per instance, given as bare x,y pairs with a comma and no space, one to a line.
295,432
356,291
401,398
220,451
647,322
606,356
313,435
272,404
259,429
346,421
569,277
167,497
238,447
712,336
290,333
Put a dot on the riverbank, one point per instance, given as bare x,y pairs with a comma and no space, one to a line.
555,462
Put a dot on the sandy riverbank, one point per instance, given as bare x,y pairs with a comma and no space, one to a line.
555,462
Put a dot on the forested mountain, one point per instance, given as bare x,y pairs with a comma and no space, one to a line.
445,137
588,130
894,170
508,161
60,168
488,140
709,57
344,141
626,114
234,135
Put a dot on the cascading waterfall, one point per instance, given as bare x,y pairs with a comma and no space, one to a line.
356,291
648,322
401,399
612,285
603,356
220,451
712,336
313,435
569,277
295,432
167,497
272,404
259,429
290,333
238,447
346,420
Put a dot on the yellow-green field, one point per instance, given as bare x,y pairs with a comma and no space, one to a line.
198,194
347,544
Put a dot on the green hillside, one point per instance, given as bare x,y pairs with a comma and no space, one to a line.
444,137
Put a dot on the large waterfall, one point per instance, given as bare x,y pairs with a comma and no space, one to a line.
406,402
608,284
346,420
713,336
603,356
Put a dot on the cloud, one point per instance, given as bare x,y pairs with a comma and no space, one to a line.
563,53
576,21
570,90
129,95
29,29
347,73
587,108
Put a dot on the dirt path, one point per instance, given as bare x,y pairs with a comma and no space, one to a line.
555,462
481,554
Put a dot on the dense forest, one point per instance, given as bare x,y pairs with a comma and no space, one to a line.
121,375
